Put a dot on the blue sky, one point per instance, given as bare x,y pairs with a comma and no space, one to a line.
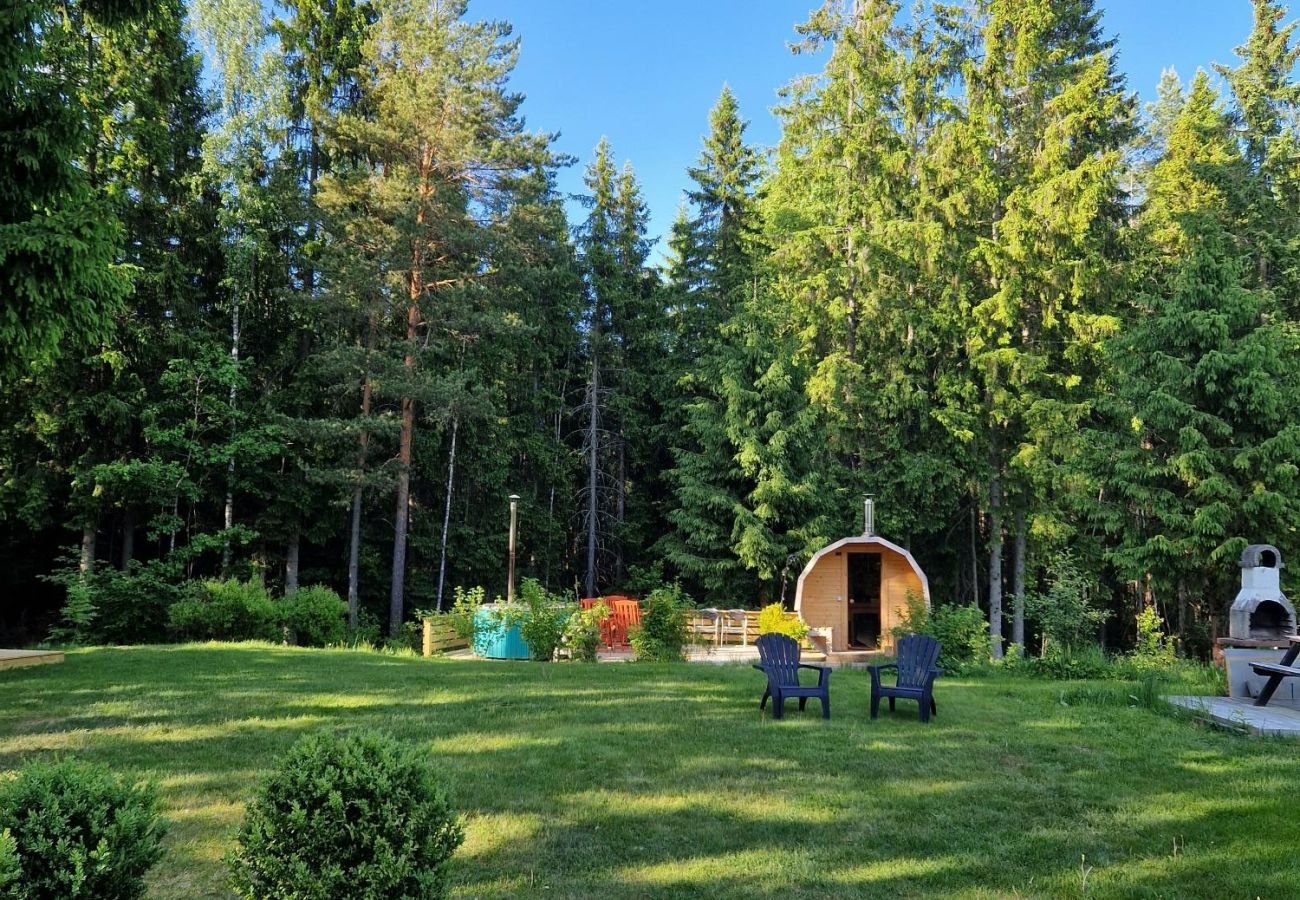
645,74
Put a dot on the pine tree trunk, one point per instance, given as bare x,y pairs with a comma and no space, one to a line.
230,466
974,555
354,558
128,538
621,517
1018,584
87,565
291,563
354,532
396,598
995,566
593,447
1182,610
446,511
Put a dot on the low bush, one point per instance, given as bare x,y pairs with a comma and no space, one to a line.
582,632
962,630
662,635
315,616
1065,662
368,632
775,620
354,816
78,831
465,606
1064,612
544,620
226,611
1154,651
113,606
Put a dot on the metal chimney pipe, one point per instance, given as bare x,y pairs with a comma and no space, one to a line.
868,515
510,572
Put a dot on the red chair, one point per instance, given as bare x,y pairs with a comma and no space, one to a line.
606,624
625,614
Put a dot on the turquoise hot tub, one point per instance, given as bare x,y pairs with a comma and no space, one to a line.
494,641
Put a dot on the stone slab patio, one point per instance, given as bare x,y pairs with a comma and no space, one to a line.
1281,718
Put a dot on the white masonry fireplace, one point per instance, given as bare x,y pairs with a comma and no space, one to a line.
1260,621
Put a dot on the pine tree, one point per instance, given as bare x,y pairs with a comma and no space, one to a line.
627,324
424,163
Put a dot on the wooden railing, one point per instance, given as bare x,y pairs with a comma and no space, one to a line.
439,637
703,627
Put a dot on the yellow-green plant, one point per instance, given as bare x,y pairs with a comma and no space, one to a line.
775,620
1154,650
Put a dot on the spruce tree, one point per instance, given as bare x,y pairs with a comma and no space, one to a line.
1195,454
1264,114
1049,118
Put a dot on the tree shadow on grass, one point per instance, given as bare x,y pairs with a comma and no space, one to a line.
665,781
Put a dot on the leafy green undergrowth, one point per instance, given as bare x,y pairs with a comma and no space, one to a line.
665,781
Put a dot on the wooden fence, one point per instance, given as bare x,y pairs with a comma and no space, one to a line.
439,637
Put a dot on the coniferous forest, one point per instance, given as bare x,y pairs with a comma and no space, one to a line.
290,291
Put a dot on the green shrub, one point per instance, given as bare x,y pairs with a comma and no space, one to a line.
466,604
962,630
368,632
1154,651
775,620
582,632
1064,613
226,611
315,616
354,816
542,627
76,830
112,606
662,635
77,618
11,869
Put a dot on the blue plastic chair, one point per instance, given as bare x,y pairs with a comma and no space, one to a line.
917,670
778,657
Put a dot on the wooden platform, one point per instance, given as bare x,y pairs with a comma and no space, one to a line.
1281,718
15,659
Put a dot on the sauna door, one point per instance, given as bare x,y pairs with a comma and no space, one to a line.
864,601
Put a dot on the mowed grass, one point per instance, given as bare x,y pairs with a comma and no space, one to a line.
665,781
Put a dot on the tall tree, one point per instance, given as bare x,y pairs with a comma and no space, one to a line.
713,272
1049,118
1265,109
58,241
1194,457
439,142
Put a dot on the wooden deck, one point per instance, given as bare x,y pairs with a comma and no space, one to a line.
1281,718
15,659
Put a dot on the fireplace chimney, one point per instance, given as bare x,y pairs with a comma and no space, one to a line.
868,515
1261,611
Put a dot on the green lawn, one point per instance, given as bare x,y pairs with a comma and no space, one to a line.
664,781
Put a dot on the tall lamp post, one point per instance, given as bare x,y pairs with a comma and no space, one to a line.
510,572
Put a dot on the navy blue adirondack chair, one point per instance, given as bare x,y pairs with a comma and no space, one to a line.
917,668
778,657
